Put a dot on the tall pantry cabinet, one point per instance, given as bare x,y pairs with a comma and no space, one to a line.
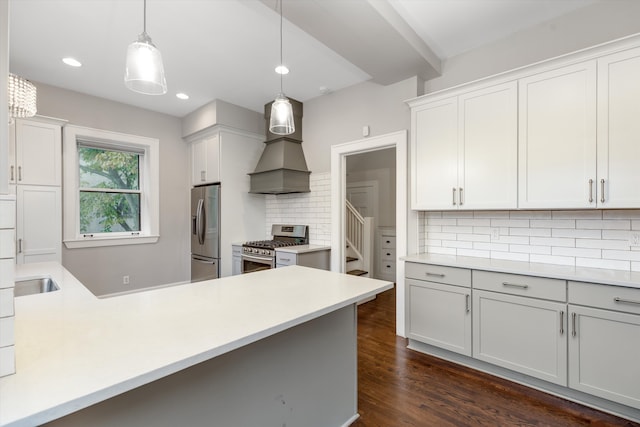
35,174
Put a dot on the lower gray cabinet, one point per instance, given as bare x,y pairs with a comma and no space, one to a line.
526,335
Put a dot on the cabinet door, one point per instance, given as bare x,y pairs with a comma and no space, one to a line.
205,160
526,335
557,138
604,350
440,315
434,147
619,130
38,153
488,150
38,224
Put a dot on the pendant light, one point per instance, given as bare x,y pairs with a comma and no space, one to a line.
281,120
144,72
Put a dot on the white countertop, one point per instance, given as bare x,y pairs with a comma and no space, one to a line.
581,274
301,249
74,350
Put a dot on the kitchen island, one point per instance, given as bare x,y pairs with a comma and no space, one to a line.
273,348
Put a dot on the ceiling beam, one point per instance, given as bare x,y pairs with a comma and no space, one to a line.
368,33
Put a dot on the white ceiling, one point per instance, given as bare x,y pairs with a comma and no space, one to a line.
228,49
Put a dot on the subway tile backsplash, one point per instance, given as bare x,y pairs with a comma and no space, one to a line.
312,209
587,238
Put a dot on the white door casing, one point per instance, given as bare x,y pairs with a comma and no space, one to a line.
405,218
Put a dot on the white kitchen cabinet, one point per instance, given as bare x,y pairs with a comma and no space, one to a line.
38,224
557,138
619,130
386,253
236,253
439,314
466,150
604,342
35,152
205,160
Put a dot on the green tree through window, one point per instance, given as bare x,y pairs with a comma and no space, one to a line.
109,190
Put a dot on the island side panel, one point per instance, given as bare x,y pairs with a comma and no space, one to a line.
306,375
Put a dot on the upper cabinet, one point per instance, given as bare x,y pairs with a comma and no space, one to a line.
562,134
205,160
35,153
557,138
465,150
619,130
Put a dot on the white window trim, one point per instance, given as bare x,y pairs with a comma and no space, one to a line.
149,182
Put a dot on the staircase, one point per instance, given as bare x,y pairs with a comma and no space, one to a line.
359,240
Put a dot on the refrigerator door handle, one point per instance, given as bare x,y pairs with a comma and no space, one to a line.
200,222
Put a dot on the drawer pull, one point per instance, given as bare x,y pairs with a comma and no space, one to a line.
434,274
573,324
602,190
590,191
515,285
626,301
561,322
454,196
285,259
466,301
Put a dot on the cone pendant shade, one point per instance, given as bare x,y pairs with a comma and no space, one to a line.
144,72
281,121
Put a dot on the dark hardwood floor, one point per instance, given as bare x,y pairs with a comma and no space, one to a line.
401,387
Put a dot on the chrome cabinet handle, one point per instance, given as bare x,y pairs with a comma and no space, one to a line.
515,285
561,322
434,274
203,176
626,301
602,190
19,246
590,191
461,196
12,168
19,173
466,301
573,324
285,259
454,196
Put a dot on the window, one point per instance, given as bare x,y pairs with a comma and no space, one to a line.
110,188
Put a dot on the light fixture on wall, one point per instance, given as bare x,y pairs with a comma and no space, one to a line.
22,97
144,72
281,120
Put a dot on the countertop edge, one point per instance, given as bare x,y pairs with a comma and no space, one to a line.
301,249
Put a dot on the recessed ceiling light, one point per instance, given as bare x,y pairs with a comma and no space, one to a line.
72,62
281,69
182,96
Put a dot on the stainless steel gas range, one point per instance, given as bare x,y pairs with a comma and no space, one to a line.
261,254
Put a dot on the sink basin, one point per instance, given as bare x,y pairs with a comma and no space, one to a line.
35,286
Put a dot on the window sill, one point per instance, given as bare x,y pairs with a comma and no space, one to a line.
95,242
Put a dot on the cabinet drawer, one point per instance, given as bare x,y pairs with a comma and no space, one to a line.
283,259
388,268
438,273
603,296
515,284
388,254
388,242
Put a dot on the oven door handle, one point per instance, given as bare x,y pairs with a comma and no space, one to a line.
257,258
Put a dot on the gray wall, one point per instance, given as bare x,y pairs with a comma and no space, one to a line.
590,26
377,166
339,117
167,261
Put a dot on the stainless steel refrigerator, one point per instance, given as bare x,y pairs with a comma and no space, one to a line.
205,232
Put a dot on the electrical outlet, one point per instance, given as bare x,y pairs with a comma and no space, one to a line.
634,239
125,280
495,234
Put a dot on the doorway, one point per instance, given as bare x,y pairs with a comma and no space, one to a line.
339,154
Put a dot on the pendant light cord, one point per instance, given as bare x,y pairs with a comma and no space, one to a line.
144,18
281,64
